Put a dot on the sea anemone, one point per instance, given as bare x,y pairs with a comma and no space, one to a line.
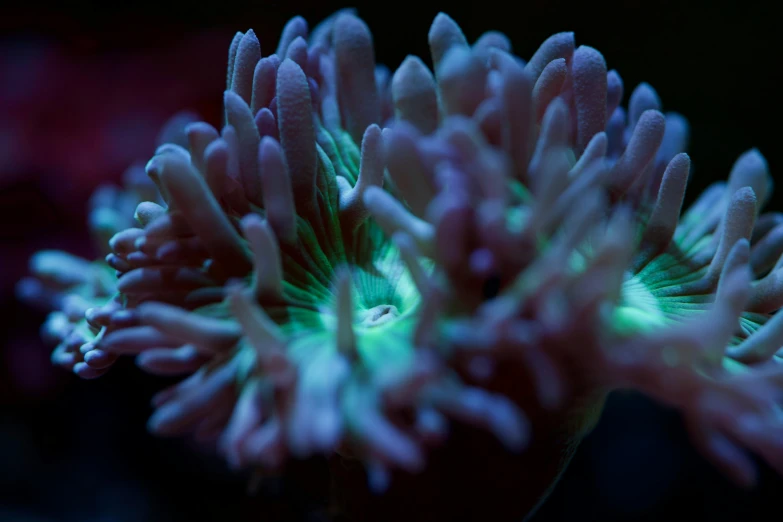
358,261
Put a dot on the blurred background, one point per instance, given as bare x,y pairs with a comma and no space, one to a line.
83,92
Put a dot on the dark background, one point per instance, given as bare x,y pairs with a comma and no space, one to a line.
83,90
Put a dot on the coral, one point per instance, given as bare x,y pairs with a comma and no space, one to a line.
356,259
70,285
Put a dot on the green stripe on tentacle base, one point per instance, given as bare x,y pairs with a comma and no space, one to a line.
650,299
384,296
679,283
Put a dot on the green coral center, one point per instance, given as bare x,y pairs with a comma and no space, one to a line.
638,309
377,315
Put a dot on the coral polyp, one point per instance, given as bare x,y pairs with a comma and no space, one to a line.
355,260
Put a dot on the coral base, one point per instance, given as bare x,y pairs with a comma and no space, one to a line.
472,476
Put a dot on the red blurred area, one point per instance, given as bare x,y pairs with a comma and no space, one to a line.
77,118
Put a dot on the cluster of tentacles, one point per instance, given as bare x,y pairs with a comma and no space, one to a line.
345,263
